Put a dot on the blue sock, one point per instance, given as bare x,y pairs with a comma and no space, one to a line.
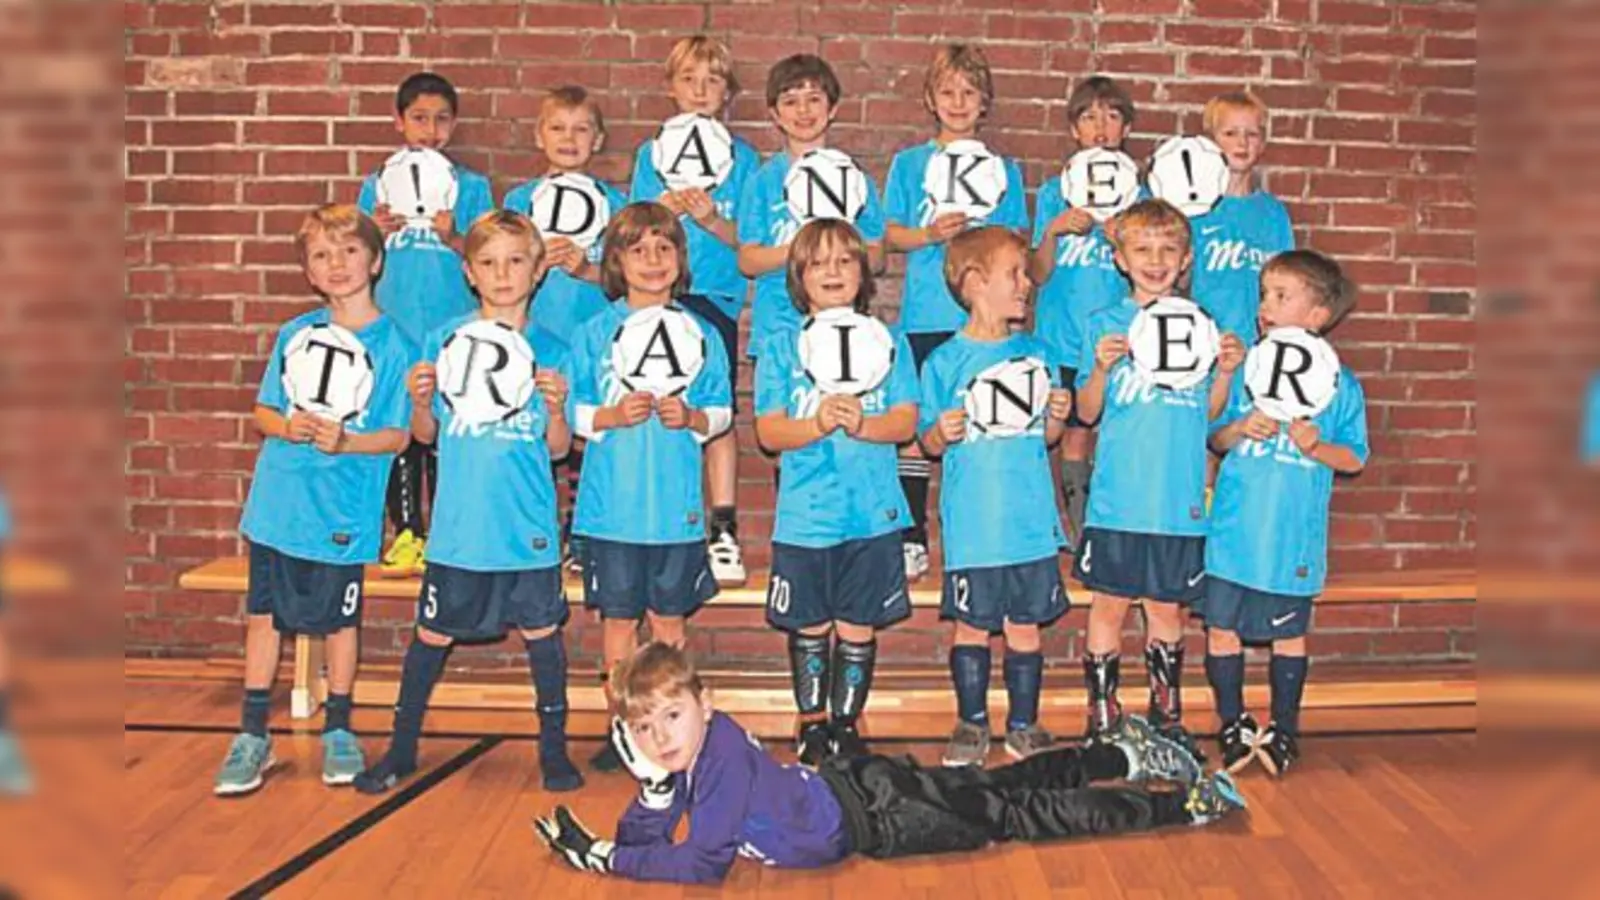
423,665
1288,677
547,665
969,670
1023,672
1226,674
336,713
254,717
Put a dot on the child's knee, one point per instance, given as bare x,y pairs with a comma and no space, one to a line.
1022,637
1222,642
666,629
968,636
433,638
538,634
1295,646
855,634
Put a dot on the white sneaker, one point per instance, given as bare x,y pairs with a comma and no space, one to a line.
727,560
916,560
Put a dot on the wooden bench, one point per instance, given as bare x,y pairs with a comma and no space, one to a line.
230,575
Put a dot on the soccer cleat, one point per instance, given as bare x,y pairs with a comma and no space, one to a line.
1175,732
1022,743
1152,756
341,757
404,558
815,743
1277,749
847,742
968,746
1213,798
606,760
249,757
15,779
727,560
382,777
916,556
1238,742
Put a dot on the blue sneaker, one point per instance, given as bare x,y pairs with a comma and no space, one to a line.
1153,756
15,779
249,758
341,757
1213,798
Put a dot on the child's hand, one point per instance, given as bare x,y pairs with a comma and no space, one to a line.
946,226
851,415
656,783
421,382
386,220
699,205
953,425
635,407
1231,355
1060,404
1111,348
444,225
1305,435
329,436
674,413
301,427
1073,221
673,200
1258,426
554,388
562,253
572,841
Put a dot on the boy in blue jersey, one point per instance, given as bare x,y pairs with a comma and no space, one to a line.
14,775
700,80
1591,425
959,91
1248,225
999,540
422,285
1144,538
802,99
641,510
571,130
1267,546
1073,266
836,557
495,558
693,761
315,510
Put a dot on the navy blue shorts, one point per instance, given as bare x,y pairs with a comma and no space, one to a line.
480,606
302,596
622,581
1164,567
1069,380
727,329
862,582
923,345
1253,615
1027,593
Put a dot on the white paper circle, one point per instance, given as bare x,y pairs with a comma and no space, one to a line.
1191,173
845,352
1173,343
658,349
327,371
825,184
1100,181
692,151
965,177
417,183
1291,374
1009,397
485,371
572,206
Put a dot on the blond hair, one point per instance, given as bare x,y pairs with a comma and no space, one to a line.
966,60
703,48
629,227
337,220
1232,101
502,221
1149,215
974,251
572,96
655,673
810,243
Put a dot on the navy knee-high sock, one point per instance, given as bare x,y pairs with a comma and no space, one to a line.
1226,674
423,665
1287,675
969,670
253,717
1023,673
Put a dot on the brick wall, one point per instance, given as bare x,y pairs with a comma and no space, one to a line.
241,115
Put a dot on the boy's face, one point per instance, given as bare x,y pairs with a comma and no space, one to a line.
1099,126
1001,289
505,270
832,278
1286,299
1154,259
427,122
650,265
957,103
698,89
803,113
339,265
1241,137
569,136
672,732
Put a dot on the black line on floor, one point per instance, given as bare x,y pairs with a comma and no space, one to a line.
362,823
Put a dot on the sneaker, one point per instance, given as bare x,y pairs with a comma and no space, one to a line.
969,746
727,560
382,778
1213,798
606,760
1238,742
1277,749
814,744
1179,735
341,757
249,758
1152,756
404,558
847,742
15,779
916,560
1022,743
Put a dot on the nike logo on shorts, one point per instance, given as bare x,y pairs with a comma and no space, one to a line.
1281,620
892,598
1196,579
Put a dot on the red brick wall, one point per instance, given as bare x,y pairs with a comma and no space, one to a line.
241,115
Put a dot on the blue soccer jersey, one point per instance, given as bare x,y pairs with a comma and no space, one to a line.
323,507
1085,278
839,488
495,510
926,304
641,484
1269,514
423,285
996,503
713,266
1232,242
1150,462
563,303
764,219
1591,424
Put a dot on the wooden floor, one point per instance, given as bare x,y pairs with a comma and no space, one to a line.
1379,811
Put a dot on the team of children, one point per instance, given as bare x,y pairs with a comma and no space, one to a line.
852,498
